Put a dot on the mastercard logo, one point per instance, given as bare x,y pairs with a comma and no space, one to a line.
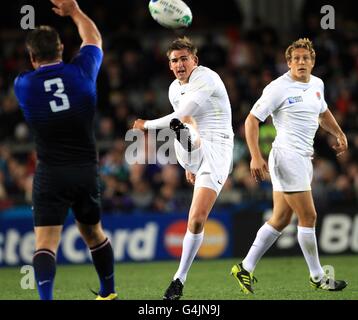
214,243
173,237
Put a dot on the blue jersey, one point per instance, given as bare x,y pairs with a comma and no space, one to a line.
58,102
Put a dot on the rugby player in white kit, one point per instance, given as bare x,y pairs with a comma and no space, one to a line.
203,113
297,106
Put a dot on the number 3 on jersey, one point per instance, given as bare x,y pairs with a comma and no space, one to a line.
58,93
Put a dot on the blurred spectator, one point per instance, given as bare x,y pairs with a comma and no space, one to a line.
133,83
212,54
10,118
106,129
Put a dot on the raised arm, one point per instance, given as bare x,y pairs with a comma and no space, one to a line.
258,165
329,123
86,27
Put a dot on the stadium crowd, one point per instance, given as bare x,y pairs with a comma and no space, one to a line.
134,80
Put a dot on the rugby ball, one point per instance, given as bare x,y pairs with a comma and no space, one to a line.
171,13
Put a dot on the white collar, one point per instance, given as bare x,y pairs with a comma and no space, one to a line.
50,64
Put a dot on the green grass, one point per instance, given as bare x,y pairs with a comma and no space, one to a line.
279,279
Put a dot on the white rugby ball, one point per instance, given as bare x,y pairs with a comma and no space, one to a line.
171,13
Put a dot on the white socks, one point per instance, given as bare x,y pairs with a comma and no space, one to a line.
267,235
308,243
265,238
191,245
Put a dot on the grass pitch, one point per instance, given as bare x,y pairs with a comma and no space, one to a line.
278,279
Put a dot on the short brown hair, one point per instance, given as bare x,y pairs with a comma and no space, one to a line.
304,43
182,43
44,44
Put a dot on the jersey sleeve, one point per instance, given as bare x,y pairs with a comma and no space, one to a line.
268,102
89,60
163,122
324,105
17,84
18,89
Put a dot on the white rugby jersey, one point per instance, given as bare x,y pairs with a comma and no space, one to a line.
295,108
204,98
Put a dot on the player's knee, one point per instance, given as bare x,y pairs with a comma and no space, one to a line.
189,120
311,222
197,220
196,224
308,220
196,227
92,235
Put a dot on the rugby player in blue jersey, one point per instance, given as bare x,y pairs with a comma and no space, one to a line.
58,101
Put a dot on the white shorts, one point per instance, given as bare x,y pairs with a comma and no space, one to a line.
290,171
211,163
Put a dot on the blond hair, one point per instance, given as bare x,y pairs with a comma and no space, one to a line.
182,43
304,43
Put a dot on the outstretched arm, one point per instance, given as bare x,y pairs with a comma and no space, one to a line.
183,113
86,27
329,123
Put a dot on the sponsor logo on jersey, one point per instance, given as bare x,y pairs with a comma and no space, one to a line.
318,95
295,99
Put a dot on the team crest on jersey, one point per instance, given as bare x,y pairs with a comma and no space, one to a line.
318,95
295,99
